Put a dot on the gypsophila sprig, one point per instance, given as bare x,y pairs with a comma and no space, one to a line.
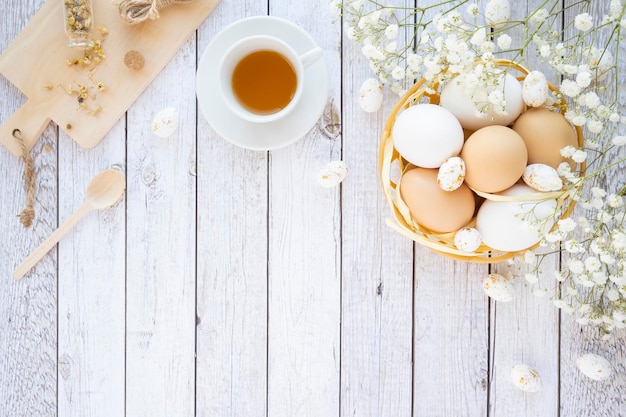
580,43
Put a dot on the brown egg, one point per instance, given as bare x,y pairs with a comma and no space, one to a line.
545,133
495,158
430,206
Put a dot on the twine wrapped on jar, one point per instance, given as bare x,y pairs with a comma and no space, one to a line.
137,11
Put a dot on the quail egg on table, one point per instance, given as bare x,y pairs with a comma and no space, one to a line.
165,122
371,95
332,174
594,366
499,288
525,378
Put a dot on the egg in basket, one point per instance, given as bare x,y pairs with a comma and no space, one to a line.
474,183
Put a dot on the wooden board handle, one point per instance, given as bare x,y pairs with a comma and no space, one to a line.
30,119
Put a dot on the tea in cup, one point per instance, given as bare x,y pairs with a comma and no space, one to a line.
262,77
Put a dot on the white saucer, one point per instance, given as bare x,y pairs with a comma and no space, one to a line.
261,136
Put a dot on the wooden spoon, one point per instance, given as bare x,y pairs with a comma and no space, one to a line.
104,190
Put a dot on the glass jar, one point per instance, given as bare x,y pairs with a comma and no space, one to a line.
78,21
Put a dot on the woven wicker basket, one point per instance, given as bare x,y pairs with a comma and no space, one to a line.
390,160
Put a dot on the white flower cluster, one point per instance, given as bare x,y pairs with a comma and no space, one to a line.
464,41
593,282
449,44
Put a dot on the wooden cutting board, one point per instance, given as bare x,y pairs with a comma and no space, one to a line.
36,63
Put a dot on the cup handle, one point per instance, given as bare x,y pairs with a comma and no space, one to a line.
311,57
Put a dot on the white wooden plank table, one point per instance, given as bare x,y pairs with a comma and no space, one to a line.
227,282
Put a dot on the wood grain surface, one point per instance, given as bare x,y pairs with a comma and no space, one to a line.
228,282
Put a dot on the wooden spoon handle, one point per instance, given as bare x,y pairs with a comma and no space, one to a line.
49,243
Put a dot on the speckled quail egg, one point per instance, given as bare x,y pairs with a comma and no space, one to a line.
331,174
451,174
165,122
371,95
498,287
542,177
535,89
467,239
594,366
525,378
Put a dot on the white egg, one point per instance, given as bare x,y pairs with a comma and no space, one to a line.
535,89
451,174
371,95
497,12
461,98
426,135
542,177
525,378
594,366
467,239
499,288
165,122
504,225
332,174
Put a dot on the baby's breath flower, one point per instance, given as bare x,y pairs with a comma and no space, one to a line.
566,225
570,88
619,140
567,151
594,126
539,16
589,99
592,264
398,73
579,156
472,10
479,37
583,22
391,31
615,201
504,41
583,79
531,278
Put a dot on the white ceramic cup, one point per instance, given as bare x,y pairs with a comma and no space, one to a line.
249,45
